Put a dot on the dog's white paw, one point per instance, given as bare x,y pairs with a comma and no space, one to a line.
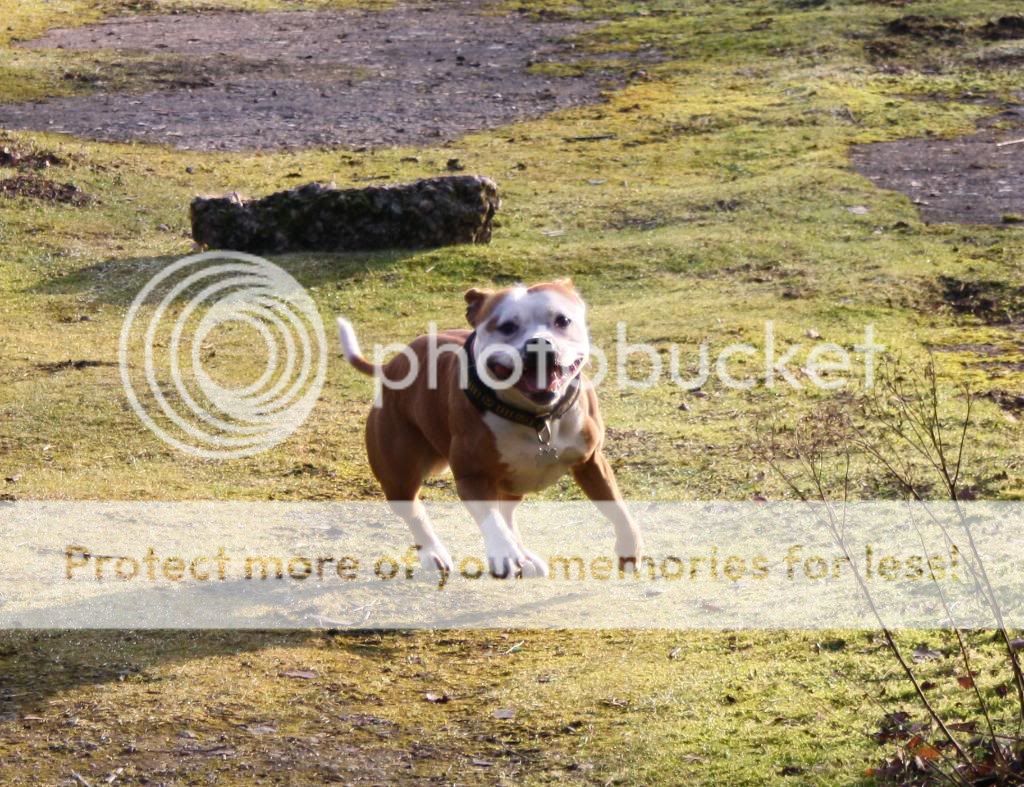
505,560
435,557
534,565
630,550
510,561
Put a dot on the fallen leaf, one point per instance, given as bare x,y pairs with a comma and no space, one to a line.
830,645
966,682
924,653
922,749
216,751
300,674
897,726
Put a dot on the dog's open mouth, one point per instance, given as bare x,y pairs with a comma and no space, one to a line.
539,381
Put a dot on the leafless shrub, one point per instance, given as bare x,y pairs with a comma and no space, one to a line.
919,437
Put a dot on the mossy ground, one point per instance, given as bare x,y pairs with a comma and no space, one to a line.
721,201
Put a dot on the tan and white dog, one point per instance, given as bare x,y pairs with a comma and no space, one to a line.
509,411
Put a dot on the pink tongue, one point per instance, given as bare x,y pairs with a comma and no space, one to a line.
530,383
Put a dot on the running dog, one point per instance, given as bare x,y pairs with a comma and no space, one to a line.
507,407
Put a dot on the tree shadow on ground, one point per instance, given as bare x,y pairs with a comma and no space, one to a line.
37,665
118,280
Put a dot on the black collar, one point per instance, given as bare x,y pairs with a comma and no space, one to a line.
486,399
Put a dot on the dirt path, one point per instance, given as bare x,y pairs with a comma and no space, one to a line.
231,81
968,179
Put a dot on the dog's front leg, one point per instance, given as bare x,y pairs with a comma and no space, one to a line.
506,558
433,554
597,480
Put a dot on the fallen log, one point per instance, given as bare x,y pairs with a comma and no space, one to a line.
423,214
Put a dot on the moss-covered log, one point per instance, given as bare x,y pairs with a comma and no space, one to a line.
314,217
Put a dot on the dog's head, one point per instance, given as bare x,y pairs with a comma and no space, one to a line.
531,342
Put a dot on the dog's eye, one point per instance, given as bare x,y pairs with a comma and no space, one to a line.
508,328
561,321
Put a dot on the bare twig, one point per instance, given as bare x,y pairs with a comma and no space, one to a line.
921,411
831,522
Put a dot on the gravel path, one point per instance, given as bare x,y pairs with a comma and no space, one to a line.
232,81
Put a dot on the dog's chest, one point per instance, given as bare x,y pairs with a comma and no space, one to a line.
530,465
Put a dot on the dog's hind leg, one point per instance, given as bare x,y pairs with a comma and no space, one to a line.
401,474
433,554
507,506
505,556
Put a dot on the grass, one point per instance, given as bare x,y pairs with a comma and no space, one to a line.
721,201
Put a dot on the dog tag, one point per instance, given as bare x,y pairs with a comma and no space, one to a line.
547,453
544,448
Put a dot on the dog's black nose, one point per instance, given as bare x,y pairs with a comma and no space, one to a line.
538,350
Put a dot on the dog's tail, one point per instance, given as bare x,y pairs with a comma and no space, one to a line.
350,347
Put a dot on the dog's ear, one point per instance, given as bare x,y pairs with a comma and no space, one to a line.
567,285
474,302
